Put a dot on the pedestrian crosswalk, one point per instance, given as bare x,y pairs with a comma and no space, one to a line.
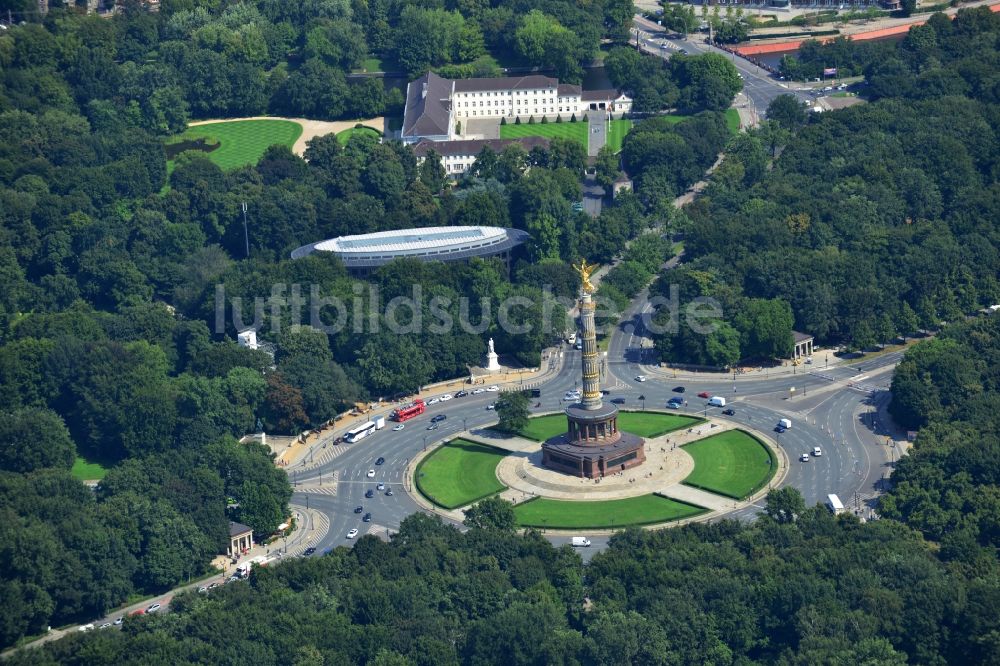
381,531
328,487
322,456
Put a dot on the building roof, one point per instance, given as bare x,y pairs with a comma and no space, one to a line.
236,529
425,243
473,146
427,110
800,337
530,82
568,90
600,95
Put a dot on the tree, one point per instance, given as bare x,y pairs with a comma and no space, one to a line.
785,505
907,322
908,7
34,438
512,411
607,167
432,173
493,514
787,111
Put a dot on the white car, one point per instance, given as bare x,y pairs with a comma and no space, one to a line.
353,532
640,378
371,474
804,457
380,486
493,389
478,391
446,397
492,405
572,395
433,401
85,627
119,621
397,427
106,625
153,608
817,452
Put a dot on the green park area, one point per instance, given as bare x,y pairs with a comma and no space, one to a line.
87,471
459,473
235,143
602,514
345,136
732,120
732,463
577,131
644,424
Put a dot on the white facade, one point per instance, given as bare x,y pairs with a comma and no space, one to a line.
513,103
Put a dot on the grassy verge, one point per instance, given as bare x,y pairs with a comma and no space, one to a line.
733,121
345,136
87,471
242,142
644,424
733,463
602,514
459,473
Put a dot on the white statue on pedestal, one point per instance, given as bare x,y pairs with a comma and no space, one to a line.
492,362
490,344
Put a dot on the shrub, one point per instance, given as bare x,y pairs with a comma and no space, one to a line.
458,127
559,119
544,120
531,120
573,118
503,121
517,121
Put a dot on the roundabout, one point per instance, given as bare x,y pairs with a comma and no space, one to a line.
702,471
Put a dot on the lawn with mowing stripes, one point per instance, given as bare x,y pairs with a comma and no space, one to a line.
602,514
617,132
242,142
644,424
732,463
459,473
576,131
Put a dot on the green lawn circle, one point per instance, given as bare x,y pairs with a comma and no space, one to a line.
643,424
602,514
733,463
459,473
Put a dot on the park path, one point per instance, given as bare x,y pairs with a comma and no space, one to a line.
310,128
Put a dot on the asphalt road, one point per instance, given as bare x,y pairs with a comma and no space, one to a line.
759,85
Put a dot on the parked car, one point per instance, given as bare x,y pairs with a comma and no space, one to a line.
704,394
380,461
353,532
461,394
85,627
478,391
153,608
433,401
203,588
492,405
118,621
106,625
493,389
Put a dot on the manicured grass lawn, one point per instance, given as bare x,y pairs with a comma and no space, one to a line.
644,424
566,130
733,120
87,471
616,133
345,136
602,514
459,473
732,463
243,142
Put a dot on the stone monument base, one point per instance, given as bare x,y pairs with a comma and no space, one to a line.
593,447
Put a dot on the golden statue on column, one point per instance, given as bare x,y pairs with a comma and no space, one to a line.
585,270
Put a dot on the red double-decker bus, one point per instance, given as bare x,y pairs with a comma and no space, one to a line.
415,408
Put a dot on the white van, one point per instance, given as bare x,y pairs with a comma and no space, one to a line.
717,401
581,542
784,423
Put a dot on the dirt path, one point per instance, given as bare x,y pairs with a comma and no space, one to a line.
310,128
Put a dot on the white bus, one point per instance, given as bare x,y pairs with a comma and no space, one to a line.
834,504
363,430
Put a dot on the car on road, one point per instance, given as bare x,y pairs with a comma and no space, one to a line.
728,412
682,51
308,551
118,621
369,493
154,608
203,588
367,518
674,405
492,405
438,418
817,452
446,397
359,509
618,401
106,625
640,378
433,426
571,395
353,532
804,457
679,389
380,461
213,586
478,391
380,486
85,627
704,394
388,492
492,389
779,429
371,474
398,427
461,394
433,401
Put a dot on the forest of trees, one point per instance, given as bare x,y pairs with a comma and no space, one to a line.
869,223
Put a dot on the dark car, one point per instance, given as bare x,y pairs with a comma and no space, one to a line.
779,429
369,493
536,393
309,551
388,492
704,394
461,394
358,509
380,460
438,418
618,401
728,412
679,389
367,518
